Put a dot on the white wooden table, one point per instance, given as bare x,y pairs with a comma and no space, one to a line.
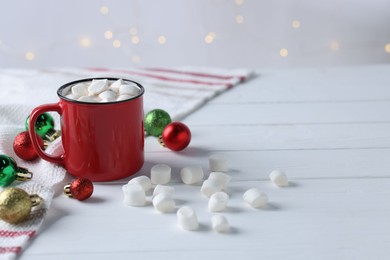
328,129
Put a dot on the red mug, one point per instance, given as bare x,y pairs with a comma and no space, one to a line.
101,141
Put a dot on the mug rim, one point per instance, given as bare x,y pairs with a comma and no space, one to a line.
60,89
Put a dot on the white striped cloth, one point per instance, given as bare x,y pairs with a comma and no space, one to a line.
178,91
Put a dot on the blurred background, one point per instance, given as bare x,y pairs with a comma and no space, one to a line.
210,33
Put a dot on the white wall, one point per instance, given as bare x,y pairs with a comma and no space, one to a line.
358,29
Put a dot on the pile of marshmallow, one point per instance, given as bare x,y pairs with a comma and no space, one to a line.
102,90
213,188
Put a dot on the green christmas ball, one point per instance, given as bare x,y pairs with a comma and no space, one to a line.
7,170
155,122
43,125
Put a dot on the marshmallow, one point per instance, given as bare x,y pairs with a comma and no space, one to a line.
134,194
72,96
163,189
209,187
123,97
160,174
192,174
88,99
220,177
163,202
115,86
144,181
255,198
80,89
128,89
218,163
108,95
220,223
278,178
218,201
97,86
186,218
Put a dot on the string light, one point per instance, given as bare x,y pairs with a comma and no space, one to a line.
29,56
239,19
135,59
116,44
334,46
104,10
387,48
210,37
135,39
162,39
283,52
108,35
133,31
296,24
85,42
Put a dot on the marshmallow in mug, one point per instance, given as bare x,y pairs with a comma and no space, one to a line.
102,90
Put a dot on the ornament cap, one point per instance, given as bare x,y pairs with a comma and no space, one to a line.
161,142
52,135
35,200
24,176
67,191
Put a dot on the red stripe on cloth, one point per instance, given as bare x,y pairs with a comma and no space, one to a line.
162,77
205,75
7,233
11,249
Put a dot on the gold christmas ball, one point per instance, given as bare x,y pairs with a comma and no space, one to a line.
15,205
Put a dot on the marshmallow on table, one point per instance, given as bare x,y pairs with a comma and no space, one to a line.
220,223
192,174
187,219
278,178
163,189
97,86
255,198
218,201
144,181
160,174
209,187
163,202
134,194
220,177
218,163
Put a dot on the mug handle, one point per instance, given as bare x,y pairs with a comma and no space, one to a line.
34,139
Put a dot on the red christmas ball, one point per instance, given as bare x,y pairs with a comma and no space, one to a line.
176,136
23,146
80,189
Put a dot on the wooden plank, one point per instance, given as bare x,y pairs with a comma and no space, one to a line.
313,219
356,83
291,114
286,137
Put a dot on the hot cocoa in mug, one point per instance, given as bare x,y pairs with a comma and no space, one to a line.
101,128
